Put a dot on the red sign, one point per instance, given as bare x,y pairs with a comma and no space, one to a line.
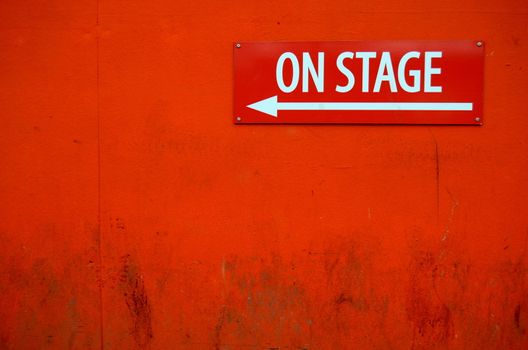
359,82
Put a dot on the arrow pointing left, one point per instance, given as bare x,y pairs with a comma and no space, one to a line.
271,106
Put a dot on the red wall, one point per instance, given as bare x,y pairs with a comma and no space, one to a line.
134,214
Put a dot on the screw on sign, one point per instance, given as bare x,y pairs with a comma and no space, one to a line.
399,82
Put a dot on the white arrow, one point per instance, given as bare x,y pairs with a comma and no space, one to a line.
271,106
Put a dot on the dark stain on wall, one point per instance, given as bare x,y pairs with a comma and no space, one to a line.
136,299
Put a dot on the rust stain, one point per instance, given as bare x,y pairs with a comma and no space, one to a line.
517,316
358,304
255,299
437,174
430,316
218,328
75,322
136,299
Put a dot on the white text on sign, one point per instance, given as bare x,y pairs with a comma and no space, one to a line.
306,70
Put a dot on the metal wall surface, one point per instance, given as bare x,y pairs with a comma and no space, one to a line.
135,215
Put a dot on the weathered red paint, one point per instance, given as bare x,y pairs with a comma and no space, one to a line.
136,215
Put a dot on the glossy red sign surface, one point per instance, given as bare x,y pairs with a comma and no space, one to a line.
363,82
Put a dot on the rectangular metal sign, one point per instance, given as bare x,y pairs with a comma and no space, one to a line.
358,82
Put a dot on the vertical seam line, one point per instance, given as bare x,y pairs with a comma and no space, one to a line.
99,229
